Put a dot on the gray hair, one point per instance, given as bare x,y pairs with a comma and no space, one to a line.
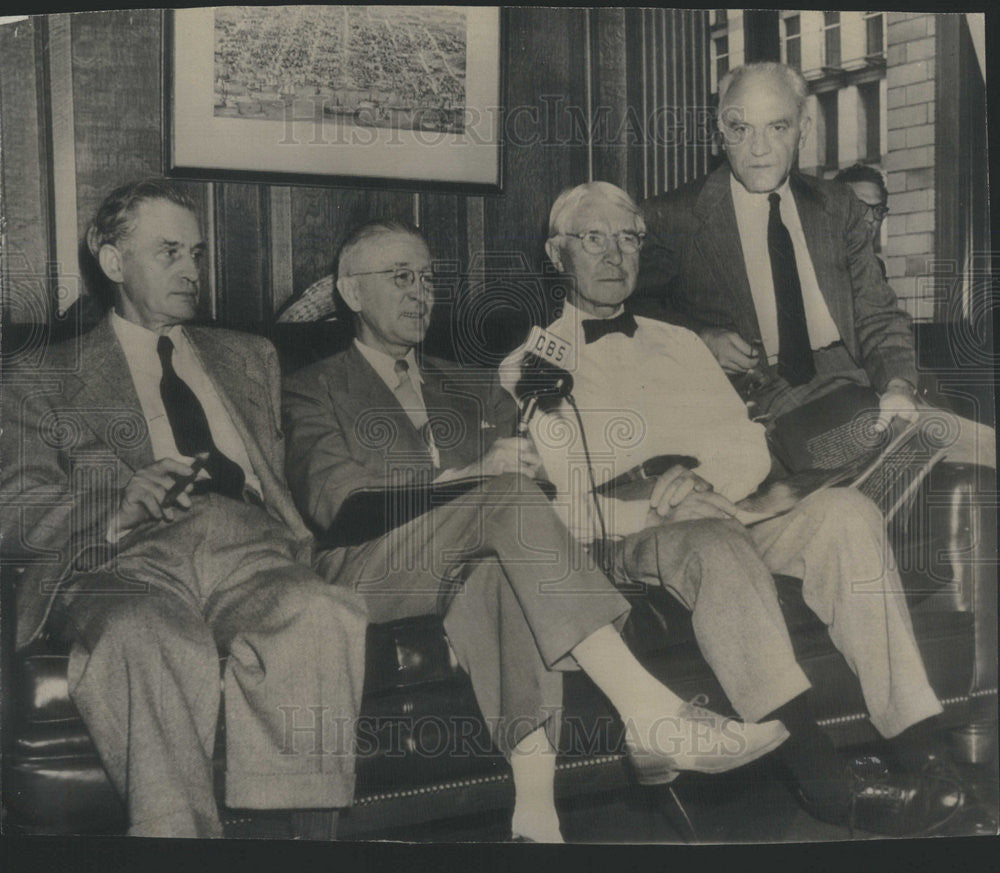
789,76
115,218
370,230
569,200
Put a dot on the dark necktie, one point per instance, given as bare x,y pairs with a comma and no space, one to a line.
595,328
190,426
795,359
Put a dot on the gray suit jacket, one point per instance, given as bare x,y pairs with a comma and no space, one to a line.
692,270
74,433
346,429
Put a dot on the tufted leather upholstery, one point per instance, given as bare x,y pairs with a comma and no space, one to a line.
421,743
421,754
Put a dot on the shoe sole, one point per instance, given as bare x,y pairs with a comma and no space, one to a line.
666,774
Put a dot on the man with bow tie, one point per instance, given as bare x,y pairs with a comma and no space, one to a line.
152,568
644,388
520,600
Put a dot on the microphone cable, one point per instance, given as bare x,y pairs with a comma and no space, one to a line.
590,468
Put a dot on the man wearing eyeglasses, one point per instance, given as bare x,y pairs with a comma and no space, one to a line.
520,600
775,269
644,389
869,187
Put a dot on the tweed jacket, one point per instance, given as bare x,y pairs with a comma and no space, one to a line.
692,270
74,433
346,429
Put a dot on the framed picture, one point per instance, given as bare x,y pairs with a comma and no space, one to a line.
393,96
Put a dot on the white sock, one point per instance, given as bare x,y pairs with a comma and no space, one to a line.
533,762
635,693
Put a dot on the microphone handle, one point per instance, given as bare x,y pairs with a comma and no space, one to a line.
527,415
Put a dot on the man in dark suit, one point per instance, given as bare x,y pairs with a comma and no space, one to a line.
521,600
774,269
154,568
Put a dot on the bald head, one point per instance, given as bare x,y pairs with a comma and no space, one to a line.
763,122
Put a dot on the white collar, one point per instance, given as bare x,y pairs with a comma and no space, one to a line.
752,200
577,315
140,342
385,365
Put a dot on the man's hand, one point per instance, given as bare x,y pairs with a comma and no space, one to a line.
734,354
143,495
511,455
898,399
674,487
696,505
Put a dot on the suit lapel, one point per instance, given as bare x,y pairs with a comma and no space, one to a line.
239,391
368,395
104,397
718,241
821,231
447,398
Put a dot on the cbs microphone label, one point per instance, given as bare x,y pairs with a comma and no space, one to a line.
550,347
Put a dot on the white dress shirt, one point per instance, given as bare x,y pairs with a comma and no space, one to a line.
752,211
660,392
139,346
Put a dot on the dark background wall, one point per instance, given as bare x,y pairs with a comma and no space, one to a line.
80,97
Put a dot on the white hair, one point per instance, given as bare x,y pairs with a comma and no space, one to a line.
789,76
569,201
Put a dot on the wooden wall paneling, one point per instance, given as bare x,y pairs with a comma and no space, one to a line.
443,222
672,104
634,104
546,151
657,98
116,98
691,97
26,189
322,218
244,271
279,217
609,105
702,62
637,101
63,162
116,101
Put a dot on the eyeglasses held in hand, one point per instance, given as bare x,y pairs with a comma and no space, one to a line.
404,278
597,242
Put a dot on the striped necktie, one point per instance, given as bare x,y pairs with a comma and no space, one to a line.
413,406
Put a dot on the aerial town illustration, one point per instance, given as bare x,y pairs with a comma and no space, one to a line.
378,66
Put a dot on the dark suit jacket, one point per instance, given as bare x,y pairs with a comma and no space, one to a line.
74,433
692,270
346,430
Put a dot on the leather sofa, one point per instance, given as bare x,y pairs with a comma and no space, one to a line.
422,754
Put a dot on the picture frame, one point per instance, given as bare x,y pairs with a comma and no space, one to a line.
311,95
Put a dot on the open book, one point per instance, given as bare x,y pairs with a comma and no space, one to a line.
888,475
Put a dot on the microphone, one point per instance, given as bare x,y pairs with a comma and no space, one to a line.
543,383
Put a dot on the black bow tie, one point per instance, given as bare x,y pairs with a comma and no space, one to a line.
595,328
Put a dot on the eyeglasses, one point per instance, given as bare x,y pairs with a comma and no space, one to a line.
403,278
877,212
597,242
